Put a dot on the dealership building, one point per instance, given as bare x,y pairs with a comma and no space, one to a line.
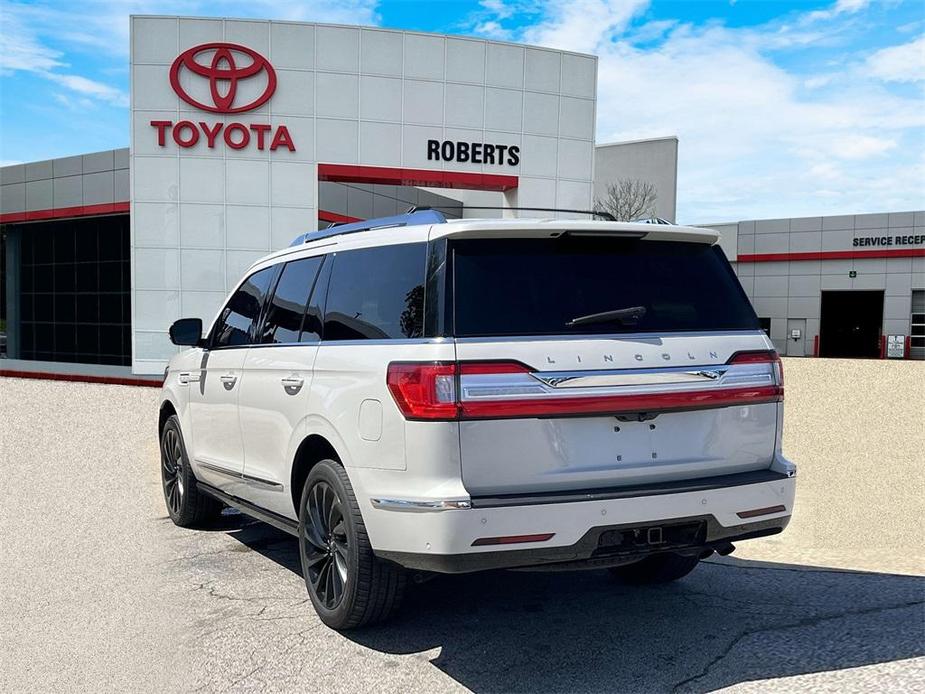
246,134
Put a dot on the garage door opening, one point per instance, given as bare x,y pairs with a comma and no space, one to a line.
851,324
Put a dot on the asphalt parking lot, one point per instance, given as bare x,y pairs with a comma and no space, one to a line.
100,592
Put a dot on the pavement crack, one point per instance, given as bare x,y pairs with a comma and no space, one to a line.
806,622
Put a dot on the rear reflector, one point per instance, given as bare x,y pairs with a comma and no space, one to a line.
767,511
511,539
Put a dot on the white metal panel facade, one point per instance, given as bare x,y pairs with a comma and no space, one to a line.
345,95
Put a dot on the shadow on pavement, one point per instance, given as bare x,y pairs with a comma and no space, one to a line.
726,623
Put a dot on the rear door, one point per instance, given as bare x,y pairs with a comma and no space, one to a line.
277,380
600,362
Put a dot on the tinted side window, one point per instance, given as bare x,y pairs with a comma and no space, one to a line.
377,293
238,321
287,308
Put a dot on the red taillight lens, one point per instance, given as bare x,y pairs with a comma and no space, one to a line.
761,357
469,368
424,391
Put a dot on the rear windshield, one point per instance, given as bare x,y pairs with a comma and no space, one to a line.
540,286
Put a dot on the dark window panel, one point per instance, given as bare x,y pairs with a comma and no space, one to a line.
290,299
110,277
110,240
43,307
110,308
377,293
88,338
27,337
238,320
44,337
88,277
539,286
65,307
111,339
44,278
88,308
64,245
26,278
26,303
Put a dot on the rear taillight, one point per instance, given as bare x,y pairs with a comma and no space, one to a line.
509,390
763,356
424,390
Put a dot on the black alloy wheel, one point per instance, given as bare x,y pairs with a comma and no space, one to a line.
348,585
172,471
325,545
187,506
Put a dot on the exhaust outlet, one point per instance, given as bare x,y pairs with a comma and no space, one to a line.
724,549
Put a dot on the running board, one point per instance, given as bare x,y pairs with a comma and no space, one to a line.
277,521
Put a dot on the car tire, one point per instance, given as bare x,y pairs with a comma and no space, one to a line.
348,585
186,505
658,568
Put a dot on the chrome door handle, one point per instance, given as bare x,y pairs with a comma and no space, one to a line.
292,384
228,380
187,377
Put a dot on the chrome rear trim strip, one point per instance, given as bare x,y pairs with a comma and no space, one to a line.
421,506
629,377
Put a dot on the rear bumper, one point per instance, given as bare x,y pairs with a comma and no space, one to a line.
592,551
583,529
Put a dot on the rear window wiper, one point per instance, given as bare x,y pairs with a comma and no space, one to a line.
627,316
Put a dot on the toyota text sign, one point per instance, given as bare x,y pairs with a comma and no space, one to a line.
224,78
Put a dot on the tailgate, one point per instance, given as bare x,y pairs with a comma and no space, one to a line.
555,415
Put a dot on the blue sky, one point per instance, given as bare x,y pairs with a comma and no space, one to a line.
782,108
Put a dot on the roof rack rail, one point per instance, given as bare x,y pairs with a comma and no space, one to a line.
412,218
653,220
593,213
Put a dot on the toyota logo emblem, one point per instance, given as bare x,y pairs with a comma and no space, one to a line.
223,73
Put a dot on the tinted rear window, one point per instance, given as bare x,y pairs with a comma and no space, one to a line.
536,286
377,294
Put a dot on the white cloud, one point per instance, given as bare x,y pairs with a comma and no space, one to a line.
840,7
493,30
89,88
581,25
756,139
498,8
903,63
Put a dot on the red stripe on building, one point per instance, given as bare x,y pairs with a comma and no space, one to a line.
348,173
832,255
65,212
82,378
336,218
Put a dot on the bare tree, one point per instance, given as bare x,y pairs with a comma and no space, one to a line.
628,199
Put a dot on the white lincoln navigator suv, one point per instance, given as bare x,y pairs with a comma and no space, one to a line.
413,395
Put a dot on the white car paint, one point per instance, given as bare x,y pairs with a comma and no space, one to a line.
416,479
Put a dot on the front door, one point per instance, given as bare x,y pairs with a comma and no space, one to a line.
217,445
277,380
